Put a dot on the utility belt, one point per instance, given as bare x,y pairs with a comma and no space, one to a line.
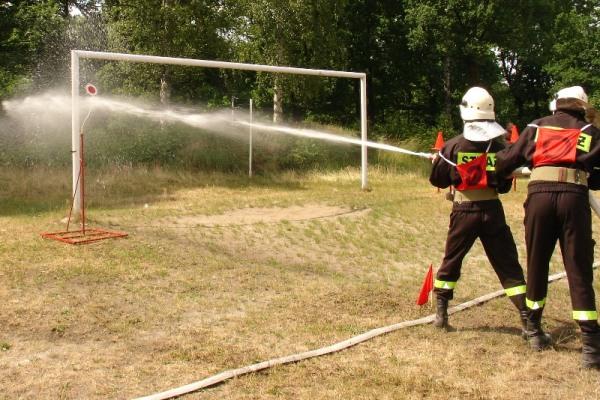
559,174
475,195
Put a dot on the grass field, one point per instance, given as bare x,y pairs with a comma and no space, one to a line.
222,271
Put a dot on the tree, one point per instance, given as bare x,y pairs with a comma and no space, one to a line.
174,28
28,30
575,58
523,47
454,38
294,33
85,7
419,55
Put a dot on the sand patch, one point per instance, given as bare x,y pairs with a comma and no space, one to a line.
249,216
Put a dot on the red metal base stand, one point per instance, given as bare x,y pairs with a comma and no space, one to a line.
83,235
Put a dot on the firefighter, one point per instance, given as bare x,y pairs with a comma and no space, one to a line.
468,163
562,150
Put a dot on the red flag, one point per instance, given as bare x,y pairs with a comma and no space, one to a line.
514,134
426,288
439,142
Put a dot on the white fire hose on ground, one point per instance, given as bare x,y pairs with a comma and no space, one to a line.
594,204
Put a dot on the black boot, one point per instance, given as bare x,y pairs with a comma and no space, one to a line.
536,337
523,316
441,315
590,350
519,302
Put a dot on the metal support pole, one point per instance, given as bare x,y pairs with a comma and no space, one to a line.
250,140
82,182
233,108
363,132
75,138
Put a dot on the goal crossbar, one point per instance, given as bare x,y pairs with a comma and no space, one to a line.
76,55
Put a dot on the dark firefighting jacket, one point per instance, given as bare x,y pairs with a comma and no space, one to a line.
587,155
459,151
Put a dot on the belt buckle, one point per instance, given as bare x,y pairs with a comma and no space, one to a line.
578,177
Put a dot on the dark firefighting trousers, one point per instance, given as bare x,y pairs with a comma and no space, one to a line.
564,216
484,220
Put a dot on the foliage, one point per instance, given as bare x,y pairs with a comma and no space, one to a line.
296,33
576,50
419,56
167,28
524,48
455,38
28,29
123,141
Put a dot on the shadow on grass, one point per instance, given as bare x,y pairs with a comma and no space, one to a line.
565,333
506,330
37,191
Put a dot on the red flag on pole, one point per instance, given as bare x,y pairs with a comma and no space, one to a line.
426,288
439,142
514,134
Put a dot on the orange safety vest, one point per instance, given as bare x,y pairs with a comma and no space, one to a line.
555,145
473,174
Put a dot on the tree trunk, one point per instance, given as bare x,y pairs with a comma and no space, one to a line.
473,71
520,108
447,87
65,5
277,101
165,93
165,89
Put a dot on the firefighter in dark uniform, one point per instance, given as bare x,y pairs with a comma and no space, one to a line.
468,163
562,149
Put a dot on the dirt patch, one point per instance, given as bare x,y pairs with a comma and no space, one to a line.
249,216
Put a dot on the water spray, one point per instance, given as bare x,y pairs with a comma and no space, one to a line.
309,133
213,121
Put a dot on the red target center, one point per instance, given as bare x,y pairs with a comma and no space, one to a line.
91,89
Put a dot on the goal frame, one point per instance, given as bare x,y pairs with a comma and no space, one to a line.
76,55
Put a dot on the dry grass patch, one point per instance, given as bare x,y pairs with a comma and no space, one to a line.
174,303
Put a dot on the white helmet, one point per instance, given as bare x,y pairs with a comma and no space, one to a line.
477,104
573,92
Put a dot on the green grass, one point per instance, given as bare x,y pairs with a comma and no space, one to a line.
184,297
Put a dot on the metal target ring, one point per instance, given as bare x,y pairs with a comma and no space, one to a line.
91,89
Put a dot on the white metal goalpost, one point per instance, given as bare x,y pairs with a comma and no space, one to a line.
76,55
